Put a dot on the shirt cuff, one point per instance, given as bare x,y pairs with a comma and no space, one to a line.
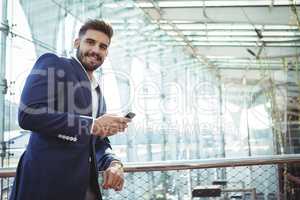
117,163
91,118
92,127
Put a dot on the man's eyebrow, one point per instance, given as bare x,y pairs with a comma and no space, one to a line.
93,40
90,39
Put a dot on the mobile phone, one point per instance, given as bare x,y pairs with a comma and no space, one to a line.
130,115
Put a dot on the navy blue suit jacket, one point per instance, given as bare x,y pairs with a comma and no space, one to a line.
61,158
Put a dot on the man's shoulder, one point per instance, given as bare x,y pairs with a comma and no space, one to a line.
53,56
53,59
48,56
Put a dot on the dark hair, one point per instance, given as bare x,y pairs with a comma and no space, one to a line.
98,25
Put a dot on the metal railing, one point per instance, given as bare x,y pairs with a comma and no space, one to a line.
170,180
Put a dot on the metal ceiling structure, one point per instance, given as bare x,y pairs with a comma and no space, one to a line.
232,35
217,32
223,35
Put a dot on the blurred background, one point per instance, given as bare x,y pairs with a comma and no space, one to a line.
214,79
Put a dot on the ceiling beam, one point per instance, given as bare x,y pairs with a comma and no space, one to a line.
213,3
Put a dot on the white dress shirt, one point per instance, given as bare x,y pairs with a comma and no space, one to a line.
95,95
95,104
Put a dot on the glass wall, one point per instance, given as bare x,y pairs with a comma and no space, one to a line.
185,108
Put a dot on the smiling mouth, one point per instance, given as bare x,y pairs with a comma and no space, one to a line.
94,58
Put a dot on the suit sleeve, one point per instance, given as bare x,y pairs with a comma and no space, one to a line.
103,148
36,111
104,153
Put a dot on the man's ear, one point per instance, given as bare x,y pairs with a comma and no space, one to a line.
77,43
106,53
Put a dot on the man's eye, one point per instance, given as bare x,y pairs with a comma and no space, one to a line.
104,47
90,42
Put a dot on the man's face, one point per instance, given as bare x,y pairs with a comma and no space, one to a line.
92,49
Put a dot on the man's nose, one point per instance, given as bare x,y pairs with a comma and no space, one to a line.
96,49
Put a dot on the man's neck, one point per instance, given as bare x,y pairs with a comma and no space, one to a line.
90,74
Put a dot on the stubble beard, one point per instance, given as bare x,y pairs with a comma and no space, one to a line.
90,68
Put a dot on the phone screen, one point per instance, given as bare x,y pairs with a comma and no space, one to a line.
130,115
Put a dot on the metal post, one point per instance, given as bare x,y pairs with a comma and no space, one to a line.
222,132
4,30
148,132
253,194
164,133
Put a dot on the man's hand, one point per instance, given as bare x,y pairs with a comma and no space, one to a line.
113,176
108,125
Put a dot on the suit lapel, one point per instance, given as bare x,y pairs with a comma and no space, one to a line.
84,81
101,108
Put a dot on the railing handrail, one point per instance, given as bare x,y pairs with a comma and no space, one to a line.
7,172
212,163
194,164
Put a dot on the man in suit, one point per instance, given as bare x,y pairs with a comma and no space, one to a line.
63,107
